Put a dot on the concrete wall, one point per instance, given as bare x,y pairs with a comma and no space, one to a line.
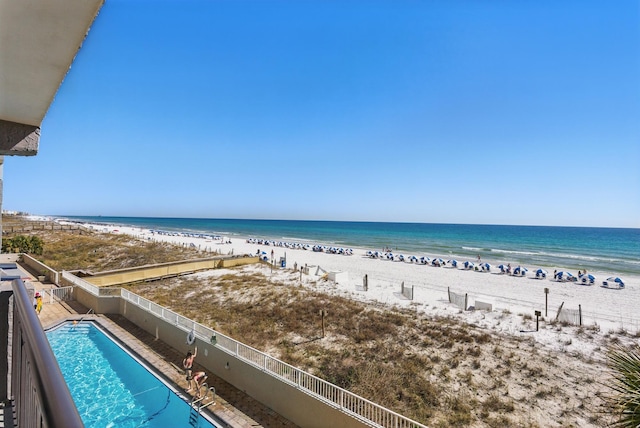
164,270
99,304
40,268
238,261
284,399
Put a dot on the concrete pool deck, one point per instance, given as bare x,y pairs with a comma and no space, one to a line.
233,407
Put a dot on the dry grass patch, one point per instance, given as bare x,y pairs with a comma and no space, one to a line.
409,362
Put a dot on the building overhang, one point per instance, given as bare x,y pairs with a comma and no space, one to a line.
39,40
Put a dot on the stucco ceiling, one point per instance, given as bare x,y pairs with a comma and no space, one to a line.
38,41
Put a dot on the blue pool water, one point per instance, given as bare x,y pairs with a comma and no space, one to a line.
110,387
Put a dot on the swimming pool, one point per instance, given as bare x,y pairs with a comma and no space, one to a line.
110,387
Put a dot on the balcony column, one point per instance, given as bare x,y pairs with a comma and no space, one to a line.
1,196
5,294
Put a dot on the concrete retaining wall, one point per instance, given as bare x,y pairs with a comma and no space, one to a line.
40,268
165,270
99,304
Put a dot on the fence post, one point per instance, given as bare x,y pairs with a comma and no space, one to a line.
546,301
449,294
465,301
559,310
580,314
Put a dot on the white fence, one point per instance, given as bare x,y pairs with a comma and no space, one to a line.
61,294
460,300
85,285
571,316
406,291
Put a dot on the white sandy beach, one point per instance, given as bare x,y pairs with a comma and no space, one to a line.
514,299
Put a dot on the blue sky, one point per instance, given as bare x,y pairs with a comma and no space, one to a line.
492,112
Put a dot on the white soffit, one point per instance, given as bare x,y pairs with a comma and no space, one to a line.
38,41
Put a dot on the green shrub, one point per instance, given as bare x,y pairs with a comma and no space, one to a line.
23,244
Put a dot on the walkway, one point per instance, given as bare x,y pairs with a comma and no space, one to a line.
233,408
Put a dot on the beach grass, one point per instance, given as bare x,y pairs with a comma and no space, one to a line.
76,249
439,371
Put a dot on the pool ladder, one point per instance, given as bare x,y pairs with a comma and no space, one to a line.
197,404
75,323
89,312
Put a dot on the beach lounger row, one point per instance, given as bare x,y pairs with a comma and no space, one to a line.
520,271
302,246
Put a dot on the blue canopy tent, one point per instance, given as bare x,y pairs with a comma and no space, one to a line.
564,276
588,279
541,273
613,282
520,271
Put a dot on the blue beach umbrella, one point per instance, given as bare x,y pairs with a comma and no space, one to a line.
468,265
438,262
503,268
564,276
453,262
425,260
588,279
541,273
614,280
520,271
486,267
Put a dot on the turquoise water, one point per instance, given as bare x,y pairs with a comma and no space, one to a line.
613,250
109,387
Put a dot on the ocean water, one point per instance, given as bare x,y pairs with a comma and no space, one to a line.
615,250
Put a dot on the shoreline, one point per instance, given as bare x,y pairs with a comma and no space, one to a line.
609,309
571,248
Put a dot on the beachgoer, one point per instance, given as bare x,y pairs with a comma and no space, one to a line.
478,258
509,268
187,364
199,378
38,303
